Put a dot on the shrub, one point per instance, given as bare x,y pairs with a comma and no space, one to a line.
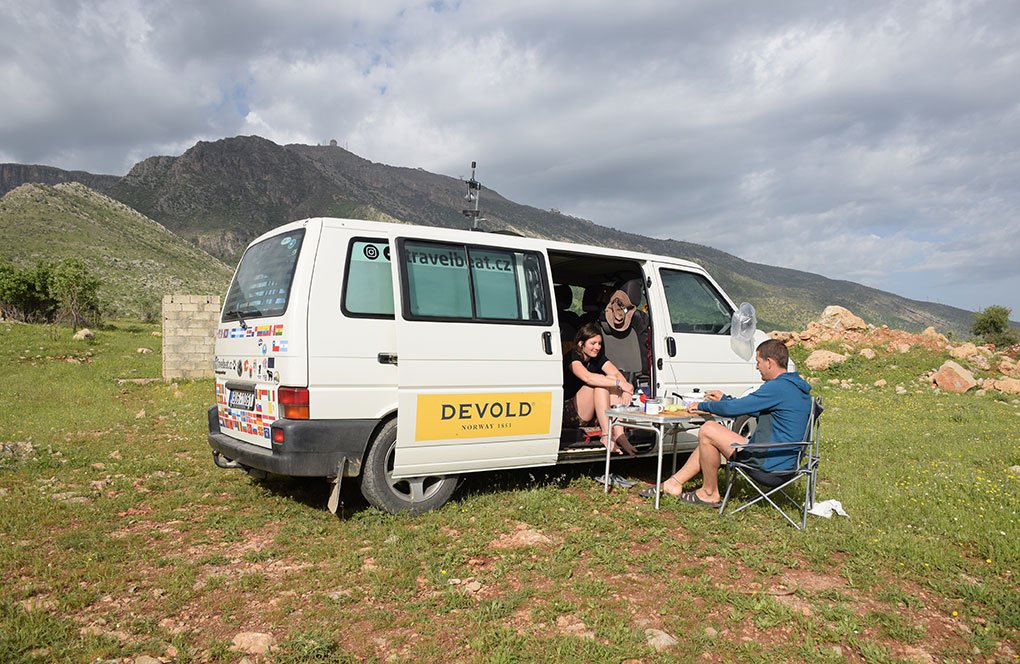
27,294
40,293
77,290
992,325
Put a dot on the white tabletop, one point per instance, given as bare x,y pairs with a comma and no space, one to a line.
641,417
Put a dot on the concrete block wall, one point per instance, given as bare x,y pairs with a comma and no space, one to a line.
189,335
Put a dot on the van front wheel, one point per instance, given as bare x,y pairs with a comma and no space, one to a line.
745,425
413,494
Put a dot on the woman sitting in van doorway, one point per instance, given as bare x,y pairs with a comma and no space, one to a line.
591,384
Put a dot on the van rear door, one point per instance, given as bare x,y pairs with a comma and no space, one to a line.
480,382
260,338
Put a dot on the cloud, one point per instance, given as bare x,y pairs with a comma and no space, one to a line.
879,141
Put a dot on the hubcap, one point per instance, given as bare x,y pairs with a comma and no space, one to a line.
411,489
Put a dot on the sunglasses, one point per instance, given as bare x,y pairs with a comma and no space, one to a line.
618,306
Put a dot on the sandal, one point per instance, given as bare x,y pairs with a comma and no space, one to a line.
649,492
691,497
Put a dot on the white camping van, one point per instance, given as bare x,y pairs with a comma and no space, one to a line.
407,355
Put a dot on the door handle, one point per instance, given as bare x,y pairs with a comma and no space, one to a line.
659,364
547,342
387,358
671,346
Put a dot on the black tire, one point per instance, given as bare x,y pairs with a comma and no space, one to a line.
414,495
745,425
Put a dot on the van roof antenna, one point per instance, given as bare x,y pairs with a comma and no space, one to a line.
474,192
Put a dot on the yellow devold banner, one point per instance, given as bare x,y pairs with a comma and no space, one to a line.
444,416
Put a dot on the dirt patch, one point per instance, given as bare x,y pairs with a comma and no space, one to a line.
811,583
523,536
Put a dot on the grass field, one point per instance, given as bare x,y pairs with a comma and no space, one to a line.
119,538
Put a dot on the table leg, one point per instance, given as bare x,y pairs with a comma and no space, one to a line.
605,477
658,468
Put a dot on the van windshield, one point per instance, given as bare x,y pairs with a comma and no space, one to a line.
261,286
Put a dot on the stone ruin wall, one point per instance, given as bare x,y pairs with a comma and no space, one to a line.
189,335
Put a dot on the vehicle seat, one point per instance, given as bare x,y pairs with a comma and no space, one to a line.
569,321
593,301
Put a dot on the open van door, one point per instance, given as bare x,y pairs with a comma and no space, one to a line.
692,334
479,366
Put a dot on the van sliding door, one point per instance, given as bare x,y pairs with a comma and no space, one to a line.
478,357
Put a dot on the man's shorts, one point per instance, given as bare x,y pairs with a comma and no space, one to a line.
750,458
757,460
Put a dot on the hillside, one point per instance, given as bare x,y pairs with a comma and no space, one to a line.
220,195
225,193
137,260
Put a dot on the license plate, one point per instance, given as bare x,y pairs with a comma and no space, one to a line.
242,399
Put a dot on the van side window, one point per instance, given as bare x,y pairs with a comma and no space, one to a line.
261,286
462,282
695,307
368,281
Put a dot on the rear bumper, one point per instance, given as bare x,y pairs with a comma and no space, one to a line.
311,448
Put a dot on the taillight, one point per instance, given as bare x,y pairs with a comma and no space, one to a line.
294,402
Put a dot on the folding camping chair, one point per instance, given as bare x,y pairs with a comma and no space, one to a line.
769,484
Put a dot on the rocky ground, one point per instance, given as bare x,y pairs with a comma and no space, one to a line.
973,367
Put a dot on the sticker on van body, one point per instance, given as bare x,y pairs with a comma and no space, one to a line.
488,415
250,331
255,420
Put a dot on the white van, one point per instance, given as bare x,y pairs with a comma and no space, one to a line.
407,355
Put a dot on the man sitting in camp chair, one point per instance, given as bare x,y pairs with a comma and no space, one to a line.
785,397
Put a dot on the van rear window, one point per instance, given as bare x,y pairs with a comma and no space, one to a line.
368,283
262,284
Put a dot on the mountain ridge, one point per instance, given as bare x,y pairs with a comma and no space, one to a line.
221,194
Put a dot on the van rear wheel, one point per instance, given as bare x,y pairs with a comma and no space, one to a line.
413,494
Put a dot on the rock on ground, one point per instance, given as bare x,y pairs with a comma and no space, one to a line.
820,360
1004,385
980,362
1009,368
951,377
83,333
659,640
522,537
252,643
839,318
574,627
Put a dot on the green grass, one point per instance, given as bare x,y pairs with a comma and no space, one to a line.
120,538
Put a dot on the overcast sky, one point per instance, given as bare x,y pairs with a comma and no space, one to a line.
872,141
